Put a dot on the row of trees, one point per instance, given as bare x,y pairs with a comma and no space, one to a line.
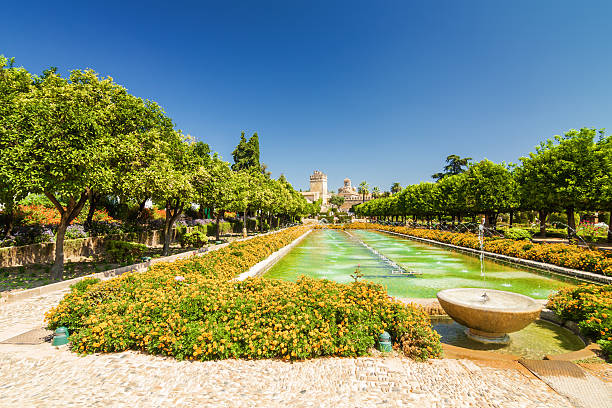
80,138
565,174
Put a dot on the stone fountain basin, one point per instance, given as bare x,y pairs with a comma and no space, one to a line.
504,312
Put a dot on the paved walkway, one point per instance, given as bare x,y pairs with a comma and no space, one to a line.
43,376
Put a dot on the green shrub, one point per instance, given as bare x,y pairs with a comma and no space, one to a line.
224,228
122,251
196,238
517,234
252,225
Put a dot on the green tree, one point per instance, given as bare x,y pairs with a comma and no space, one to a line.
396,188
67,150
536,191
490,189
572,167
376,192
336,200
213,188
246,153
14,84
363,189
176,175
454,165
602,193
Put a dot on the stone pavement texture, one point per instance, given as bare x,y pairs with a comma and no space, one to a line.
44,376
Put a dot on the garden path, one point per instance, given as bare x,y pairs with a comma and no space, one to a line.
44,376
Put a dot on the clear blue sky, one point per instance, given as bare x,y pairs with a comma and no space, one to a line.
380,91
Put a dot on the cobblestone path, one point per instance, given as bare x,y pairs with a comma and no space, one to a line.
43,376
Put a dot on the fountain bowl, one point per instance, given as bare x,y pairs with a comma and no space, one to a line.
489,320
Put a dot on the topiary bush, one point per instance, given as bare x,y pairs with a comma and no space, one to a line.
123,251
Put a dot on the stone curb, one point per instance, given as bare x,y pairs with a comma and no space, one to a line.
588,276
261,267
111,273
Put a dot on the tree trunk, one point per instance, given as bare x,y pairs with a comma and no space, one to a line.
493,221
511,217
170,219
93,201
217,232
244,224
610,227
571,224
141,209
9,219
57,270
542,215
66,216
487,220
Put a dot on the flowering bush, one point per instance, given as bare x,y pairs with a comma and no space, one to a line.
591,307
567,256
589,230
205,315
75,231
41,215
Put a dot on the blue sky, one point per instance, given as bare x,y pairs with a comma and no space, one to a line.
380,91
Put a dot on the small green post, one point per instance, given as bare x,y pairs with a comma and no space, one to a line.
60,337
384,342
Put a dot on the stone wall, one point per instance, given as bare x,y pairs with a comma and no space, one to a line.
74,249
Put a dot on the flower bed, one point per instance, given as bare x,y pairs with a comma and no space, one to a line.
566,256
591,307
190,309
41,215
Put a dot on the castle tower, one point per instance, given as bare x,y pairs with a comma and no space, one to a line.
318,183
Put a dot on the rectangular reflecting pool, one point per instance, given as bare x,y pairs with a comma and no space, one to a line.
390,260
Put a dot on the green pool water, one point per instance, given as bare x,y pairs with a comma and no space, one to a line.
335,254
535,341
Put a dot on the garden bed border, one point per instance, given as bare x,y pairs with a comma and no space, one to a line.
588,276
261,267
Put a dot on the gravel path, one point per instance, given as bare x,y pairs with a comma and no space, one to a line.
44,376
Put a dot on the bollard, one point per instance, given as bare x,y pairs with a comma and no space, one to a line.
384,342
60,337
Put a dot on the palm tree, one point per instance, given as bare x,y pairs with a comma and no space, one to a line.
375,192
396,188
363,189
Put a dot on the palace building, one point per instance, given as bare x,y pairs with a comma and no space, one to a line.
318,190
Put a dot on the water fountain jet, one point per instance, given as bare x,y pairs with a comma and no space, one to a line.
492,315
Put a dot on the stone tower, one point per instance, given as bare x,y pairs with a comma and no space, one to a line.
318,183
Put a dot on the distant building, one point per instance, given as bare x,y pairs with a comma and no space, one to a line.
351,195
318,188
